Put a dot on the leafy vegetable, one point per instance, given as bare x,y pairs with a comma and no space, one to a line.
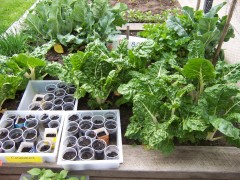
76,22
8,87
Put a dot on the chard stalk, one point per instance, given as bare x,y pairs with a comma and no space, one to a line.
211,135
2,104
149,112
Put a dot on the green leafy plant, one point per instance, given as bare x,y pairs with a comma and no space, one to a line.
98,71
76,22
24,66
8,87
138,16
190,34
190,105
11,43
48,174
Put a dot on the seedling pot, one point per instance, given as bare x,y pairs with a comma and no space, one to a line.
98,121
57,108
54,124
30,135
86,116
111,152
91,133
84,141
72,129
62,85
47,106
49,97
7,123
69,154
98,146
110,116
74,117
111,126
58,102
30,116
50,88
59,93
54,117
85,125
9,146
70,142
86,153
26,147
68,99
44,146
35,106
20,122
4,134
12,116
31,124
68,106
16,135
103,134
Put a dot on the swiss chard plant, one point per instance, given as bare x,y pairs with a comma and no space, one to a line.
190,34
98,71
8,86
24,66
190,105
76,23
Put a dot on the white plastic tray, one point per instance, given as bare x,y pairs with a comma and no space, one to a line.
91,164
36,87
33,157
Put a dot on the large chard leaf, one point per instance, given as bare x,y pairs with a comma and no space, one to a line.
222,99
225,127
195,124
199,68
227,73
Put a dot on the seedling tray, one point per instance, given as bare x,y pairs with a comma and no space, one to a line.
37,87
78,164
34,157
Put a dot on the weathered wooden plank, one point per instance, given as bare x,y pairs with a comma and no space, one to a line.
185,162
132,27
10,177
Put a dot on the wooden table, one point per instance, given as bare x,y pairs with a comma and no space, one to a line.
187,162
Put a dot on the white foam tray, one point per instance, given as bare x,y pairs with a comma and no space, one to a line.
91,164
36,87
33,157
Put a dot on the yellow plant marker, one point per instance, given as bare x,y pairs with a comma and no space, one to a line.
58,48
24,159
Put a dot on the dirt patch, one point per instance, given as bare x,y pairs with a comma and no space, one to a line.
155,6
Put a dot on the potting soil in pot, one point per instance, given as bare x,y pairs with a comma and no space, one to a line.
86,155
69,155
73,118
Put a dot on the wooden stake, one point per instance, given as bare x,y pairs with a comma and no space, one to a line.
198,4
224,33
128,32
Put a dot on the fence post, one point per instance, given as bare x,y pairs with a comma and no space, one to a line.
198,4
225,30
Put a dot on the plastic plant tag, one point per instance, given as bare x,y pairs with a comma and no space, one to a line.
24,159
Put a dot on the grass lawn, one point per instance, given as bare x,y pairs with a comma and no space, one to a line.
11,11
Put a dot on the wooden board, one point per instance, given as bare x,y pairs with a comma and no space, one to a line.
132,27
190,162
